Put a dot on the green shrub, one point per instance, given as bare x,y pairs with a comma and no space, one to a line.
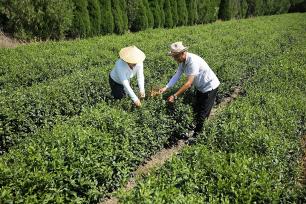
81,21
173,4
168,14
156,12
37,19
208,10
138,19
94,17
107,19
183,13
118,17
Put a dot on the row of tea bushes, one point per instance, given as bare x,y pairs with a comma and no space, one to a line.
250,153
235,56
86,157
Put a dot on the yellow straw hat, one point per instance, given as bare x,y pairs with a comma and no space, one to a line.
132,55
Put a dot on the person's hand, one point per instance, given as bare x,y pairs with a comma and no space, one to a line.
137,103
162,90
142,95
171,99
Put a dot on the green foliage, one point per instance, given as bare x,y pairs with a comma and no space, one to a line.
234,9
81,21
208,10
174,12
183,13
168,14
156,12
149,14
107,19
125,14
162,12
118,17
94,17
43,19
137,14
298,6
192,11
251,152
74,144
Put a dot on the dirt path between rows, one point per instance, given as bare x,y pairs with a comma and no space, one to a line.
163,155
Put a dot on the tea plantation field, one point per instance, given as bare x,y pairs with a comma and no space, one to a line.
63,139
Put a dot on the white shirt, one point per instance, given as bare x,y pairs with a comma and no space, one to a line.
204,78
122,74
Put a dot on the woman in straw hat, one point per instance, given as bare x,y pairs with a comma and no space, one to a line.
129,65
198,74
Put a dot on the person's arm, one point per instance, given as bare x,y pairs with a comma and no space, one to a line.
140,79
186,86
129,90
126,84
173,80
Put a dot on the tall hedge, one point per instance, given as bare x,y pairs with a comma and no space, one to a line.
107,19
94,17
118,17
81,21
138,19
192,11
298,6
174,11
235,8
29,19
271,7
208,10
183,13
149,14
168,14
156,12
162,12
124,8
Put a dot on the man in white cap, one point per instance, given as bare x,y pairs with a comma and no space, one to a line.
129,65
198,74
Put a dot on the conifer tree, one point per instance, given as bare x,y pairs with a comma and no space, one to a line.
149,14
155,8
118,17
162,12
183,13
168,14
137,15
81,22
192,11
107,19
94,16
174,12
124,15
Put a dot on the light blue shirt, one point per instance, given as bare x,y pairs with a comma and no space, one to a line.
204,78
122,74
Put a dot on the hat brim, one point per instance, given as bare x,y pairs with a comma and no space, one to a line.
132,55
175,53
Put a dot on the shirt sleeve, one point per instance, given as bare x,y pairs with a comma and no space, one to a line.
140,78
175,77
129,90
126,84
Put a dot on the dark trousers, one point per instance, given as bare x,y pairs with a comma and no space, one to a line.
202,107
117,90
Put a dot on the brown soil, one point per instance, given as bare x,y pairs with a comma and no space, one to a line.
8,42
162,156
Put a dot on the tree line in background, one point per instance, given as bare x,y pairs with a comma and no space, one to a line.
60,19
